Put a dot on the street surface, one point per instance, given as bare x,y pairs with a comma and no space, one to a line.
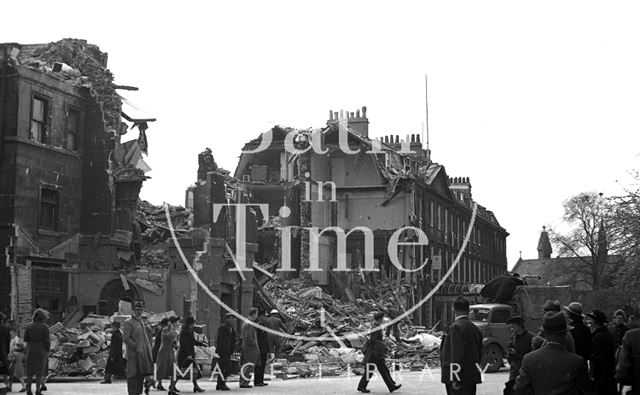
412,383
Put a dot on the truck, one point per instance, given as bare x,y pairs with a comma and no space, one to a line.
491,319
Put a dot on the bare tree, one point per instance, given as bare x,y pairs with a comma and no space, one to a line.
589,216
627,232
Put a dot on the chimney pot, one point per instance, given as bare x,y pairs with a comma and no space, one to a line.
352,115
330,115
386,139
335,115
397,139
417,138
413,138
364,111
357,113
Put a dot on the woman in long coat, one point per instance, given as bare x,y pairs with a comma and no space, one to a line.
38,343
187,350
115,363
165,358
603,350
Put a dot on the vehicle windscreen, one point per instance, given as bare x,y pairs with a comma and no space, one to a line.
479,315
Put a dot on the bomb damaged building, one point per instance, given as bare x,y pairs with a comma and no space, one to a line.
383,185
71,169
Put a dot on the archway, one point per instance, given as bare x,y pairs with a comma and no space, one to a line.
111,294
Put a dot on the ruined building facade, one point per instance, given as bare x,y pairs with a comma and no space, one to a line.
69,182
389,184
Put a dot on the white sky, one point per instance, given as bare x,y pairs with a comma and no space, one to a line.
533,101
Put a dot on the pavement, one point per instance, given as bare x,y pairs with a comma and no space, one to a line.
412,383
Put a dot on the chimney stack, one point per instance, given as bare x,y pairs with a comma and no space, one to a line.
356,121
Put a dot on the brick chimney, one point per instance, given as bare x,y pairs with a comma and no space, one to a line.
461,188
357,121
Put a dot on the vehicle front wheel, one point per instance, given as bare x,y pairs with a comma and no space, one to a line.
492,356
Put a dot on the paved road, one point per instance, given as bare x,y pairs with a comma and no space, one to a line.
412,383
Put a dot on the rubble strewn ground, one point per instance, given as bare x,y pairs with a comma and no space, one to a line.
307,307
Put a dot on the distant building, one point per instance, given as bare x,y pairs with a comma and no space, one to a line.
572,271
395,187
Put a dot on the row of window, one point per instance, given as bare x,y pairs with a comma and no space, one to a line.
469,270
441,219
41,125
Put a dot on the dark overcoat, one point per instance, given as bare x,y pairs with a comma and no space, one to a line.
552,369
250,348
462,345
628,367
115,362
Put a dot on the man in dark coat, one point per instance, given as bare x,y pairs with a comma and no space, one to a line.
263,344
374,354
274,322
225,346
628,367
250,350
552,369
460,353
115,362
580,332
603,350
519,346
554,306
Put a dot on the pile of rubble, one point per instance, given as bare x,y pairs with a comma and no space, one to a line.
83,349
310,311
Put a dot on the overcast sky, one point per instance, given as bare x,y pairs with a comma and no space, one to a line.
534,102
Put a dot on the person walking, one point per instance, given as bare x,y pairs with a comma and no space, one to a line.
138,345
602,358
460,353
157,341
115,362
166,358
628,366
187,350
580,332
374,356
263,345
225,346
274,322
250,350
38,343
553,369
519,345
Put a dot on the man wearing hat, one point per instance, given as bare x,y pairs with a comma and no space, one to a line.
519,346
139,359
225,346
274,322
580,332
538,340
553,369
460,353
603,349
